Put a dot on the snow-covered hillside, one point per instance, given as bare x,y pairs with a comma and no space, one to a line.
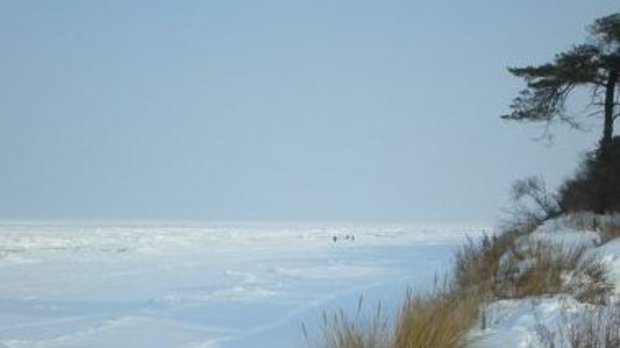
551,320
195,285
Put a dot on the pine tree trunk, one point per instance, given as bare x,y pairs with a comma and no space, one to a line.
607,143
608,129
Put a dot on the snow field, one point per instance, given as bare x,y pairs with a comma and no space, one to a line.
203,285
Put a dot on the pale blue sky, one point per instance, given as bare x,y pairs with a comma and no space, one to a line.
271,110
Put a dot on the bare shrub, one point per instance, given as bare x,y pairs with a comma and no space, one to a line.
533,203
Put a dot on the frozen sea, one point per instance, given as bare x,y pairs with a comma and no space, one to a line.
146,284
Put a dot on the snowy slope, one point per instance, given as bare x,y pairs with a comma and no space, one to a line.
548,321
196,285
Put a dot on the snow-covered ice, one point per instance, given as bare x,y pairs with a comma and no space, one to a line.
247,284
203,285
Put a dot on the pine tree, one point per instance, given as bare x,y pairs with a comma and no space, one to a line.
594,65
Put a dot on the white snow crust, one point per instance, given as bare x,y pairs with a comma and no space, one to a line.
249,284
203,285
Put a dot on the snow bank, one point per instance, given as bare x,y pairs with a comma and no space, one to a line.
549,320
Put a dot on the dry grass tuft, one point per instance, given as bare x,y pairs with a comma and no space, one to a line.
502,266
545,268
477,264
598,329
499,267
610,229
607,225
439,320
341,331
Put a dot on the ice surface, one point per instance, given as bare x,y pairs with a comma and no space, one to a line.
203,285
